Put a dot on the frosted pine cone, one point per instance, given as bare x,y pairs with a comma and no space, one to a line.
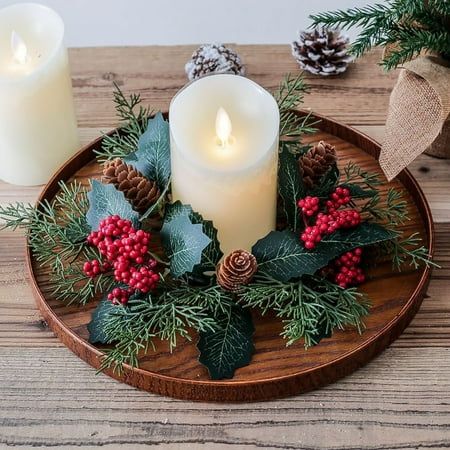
213,58
322,51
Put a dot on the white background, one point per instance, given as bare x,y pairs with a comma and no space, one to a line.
167,22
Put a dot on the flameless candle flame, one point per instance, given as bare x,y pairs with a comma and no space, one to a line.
18,48
223,126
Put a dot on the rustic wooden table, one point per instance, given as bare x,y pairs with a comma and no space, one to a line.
50,398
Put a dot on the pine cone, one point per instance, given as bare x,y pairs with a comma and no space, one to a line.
235,270
316,162
138,190
322,51
213,58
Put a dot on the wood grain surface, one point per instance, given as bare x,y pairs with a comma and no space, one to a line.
51,399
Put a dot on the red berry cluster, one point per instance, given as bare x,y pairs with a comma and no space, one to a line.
120,295
340,197
347,272
126,251
332,220
95,267
309,205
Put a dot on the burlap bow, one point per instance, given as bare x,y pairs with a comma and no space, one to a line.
419,114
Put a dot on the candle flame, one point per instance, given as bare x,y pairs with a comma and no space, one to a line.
18,48
223,126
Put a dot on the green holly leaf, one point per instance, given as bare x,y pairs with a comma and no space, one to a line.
282,256
99,317
357,191
212,253
290,187
152,158
104,201
184,243
230,346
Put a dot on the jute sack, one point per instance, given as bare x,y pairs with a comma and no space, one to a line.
419,115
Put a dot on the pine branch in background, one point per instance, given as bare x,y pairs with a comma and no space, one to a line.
289,96
411,41
412,26
133,117
309,308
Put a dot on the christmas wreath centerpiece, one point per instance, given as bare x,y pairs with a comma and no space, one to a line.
157,268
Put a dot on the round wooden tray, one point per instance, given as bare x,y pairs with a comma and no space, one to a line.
276,370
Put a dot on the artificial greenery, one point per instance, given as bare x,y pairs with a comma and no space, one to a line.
311,308
188,298
289,96
133,117
408,27
56,233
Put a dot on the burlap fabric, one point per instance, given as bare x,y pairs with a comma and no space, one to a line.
419,115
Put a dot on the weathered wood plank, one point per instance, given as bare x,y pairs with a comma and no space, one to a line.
397,401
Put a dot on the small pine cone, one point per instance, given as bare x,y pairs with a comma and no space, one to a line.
322,51
235,270
138,190
213,58
316,162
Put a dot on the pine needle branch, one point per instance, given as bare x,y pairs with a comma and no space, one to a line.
354,173
310,307
134,118
408,251
393,211
56,233
133,328
290,96
413,26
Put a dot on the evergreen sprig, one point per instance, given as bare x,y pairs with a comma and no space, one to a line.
167,315
309,307
393,211
133,117
56,233
289,95
409,26
408,250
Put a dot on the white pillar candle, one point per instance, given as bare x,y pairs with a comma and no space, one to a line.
38,128
224,156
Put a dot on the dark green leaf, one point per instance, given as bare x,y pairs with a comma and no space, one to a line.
212,253
327,183
290,187
100,315
184,243
282,256
231,346
357,191
104,201
152,158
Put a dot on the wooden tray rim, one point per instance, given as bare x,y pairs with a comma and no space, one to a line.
85,155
